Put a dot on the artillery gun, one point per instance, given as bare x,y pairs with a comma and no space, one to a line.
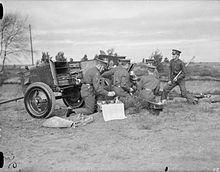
42,85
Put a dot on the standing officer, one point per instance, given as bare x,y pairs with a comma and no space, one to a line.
91,87
177,65
149,85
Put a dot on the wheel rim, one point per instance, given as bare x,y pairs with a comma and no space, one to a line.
74,99
73,102
38,102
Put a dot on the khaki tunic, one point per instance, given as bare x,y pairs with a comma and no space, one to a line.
91,87
121,84
148,87
175,67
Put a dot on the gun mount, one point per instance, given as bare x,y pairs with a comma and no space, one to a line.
42,85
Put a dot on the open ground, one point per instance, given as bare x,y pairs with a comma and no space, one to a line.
183,138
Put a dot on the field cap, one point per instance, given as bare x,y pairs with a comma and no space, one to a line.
124,61
174,52
150,61
150,66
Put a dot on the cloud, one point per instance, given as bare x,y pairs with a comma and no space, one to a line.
127,26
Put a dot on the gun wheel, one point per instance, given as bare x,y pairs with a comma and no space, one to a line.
72,97
39,100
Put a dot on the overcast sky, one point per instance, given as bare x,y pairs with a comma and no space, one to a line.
133,28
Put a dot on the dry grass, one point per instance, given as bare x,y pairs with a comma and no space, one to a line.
183,137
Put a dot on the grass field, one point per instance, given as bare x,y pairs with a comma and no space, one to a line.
183,138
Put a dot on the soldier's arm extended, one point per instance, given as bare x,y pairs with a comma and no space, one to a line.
108,73
97,86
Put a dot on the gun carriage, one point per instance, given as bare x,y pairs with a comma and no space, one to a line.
44,84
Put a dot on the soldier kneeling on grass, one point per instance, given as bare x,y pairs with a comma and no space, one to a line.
147,89
149,85
122,85
91,87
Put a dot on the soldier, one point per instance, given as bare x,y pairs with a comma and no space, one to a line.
111,65
91,87
149,85
177,65
122,85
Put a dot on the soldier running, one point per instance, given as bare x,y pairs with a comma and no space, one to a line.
177,65
91,87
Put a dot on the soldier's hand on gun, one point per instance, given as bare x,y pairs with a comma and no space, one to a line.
111,93
169,82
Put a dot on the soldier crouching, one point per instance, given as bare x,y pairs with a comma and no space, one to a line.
149,85
122,85
90,89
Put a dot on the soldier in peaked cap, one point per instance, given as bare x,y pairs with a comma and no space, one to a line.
122,84
150,66
176,66
176,52
149,85
91,87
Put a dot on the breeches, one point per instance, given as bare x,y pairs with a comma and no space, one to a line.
168,87
89,105
147,95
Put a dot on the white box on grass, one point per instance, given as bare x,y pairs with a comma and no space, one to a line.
113,111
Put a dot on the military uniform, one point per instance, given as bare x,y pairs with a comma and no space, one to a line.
177,65
92,86
156,73
121,83
148,87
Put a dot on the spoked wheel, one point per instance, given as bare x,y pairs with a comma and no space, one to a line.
72,97
39,100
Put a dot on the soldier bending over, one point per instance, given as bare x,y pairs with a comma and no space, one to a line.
122,85
90,89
